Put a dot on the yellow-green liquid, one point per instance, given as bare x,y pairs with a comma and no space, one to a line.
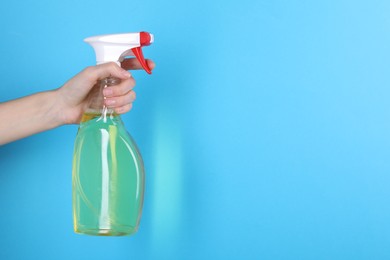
108,178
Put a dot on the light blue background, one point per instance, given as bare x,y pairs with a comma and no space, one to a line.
265,129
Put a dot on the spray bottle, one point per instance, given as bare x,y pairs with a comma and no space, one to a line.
108,172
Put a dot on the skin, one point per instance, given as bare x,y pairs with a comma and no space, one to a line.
46,110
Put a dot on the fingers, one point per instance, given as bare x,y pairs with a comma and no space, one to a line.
122,104
119,101
133,64
120,97
118,90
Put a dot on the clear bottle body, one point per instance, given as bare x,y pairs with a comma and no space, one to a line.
108,173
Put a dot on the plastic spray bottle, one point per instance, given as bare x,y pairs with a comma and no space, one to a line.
108,171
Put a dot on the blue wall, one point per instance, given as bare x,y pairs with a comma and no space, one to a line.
264,129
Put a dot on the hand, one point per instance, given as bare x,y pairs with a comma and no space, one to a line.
72,96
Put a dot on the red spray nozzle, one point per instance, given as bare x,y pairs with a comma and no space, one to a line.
145,38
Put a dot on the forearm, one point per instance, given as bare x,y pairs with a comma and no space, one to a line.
28,115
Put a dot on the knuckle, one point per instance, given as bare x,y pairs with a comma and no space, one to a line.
125,87
129,84
130,97
132,81
127,100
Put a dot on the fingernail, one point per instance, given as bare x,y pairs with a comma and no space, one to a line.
107,92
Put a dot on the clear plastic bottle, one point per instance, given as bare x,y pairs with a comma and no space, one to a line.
108,172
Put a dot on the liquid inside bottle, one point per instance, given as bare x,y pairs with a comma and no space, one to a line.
108,172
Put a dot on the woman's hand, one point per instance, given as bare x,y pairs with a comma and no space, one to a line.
45,110
72,96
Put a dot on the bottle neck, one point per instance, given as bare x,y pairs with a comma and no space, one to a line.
96,106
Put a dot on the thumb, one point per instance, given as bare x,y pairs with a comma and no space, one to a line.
110,69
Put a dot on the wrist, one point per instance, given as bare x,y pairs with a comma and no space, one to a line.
64,112
49,109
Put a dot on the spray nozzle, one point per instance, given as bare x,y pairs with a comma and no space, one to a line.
115,47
